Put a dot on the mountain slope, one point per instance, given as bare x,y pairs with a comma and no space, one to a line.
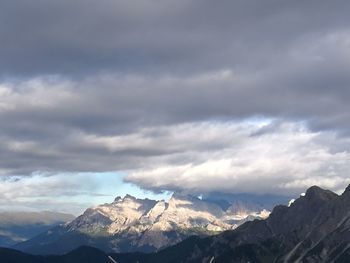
130,224
315,228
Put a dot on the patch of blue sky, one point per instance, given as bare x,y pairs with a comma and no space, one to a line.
111,185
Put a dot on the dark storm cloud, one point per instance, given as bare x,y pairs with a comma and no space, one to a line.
82,37
115,85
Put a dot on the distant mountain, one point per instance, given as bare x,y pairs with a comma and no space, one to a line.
250,202
129,224
314,228
20,226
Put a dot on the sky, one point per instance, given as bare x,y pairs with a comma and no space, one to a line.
103,98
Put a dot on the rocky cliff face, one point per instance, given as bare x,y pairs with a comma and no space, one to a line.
131,224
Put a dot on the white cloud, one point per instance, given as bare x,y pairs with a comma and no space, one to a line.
57,192
283,159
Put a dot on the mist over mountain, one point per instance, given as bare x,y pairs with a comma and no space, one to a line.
17,227
247,201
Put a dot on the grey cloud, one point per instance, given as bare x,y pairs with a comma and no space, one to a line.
285,161
82,37
60,125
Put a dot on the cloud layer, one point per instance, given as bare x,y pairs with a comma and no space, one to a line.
281,159
55,192
241,95
72,37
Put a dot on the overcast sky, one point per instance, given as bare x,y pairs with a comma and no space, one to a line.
173,95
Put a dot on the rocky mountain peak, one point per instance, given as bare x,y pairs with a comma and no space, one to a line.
347,190
346,196
117,199
301,213
129,197
315,193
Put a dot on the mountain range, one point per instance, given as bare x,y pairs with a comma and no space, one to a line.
313,228
129,224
